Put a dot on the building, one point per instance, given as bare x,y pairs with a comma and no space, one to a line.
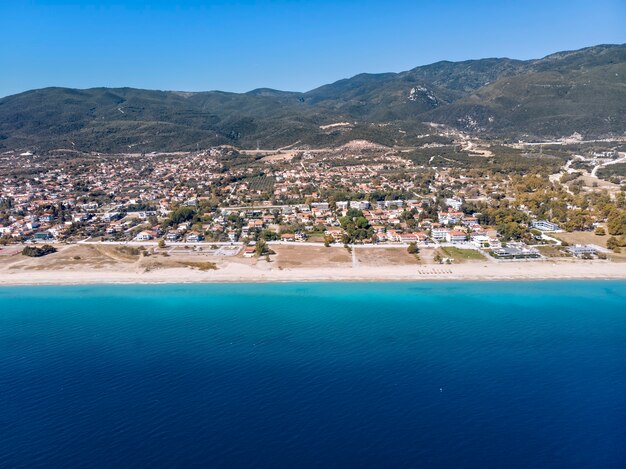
194,237
360,204
144,236
514,252
439,234
456,236
43,236
585,251
249,251
454,203
544,225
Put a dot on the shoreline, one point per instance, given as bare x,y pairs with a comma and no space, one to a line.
312,281
230,274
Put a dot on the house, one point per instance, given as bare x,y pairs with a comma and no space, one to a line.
583,251
144,236
172,236
336,233
110,216
408,238
544,225
481,241
249,251
456,236
454,203
194,237
287,237
450,218
393,235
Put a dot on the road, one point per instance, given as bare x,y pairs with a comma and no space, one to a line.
594,171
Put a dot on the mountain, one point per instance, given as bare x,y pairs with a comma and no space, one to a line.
580,91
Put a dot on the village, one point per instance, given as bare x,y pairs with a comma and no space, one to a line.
233,203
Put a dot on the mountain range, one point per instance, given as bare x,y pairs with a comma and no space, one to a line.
580,91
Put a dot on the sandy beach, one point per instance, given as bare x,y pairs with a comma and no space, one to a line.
93,265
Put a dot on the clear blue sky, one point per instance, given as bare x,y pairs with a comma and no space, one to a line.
290,45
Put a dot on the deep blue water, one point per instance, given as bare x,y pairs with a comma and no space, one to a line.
527,374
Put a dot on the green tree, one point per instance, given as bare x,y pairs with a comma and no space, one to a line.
616,222
261,247
180,215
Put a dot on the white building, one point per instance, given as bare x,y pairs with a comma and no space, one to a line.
544,225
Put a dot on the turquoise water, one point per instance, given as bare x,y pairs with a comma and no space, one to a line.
526,374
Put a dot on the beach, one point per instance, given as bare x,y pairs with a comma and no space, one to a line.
74,265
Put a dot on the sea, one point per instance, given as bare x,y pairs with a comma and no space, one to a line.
389,375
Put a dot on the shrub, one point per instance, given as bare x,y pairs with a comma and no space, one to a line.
34,251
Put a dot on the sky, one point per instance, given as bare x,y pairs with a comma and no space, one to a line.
289,45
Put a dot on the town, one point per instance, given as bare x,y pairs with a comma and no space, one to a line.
494,202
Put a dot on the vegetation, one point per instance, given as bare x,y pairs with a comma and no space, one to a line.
35,251
459,254
180,215
356,227
262,249
615,244
616,222
551,97
202,266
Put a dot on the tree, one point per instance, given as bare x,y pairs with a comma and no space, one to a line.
328,240
181,215
600,231
260,247
615,244
616,222
413,249
161,243
269,235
